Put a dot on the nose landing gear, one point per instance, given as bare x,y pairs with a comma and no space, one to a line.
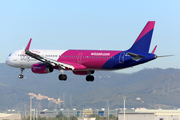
21,75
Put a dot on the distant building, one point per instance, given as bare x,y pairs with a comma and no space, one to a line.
4,116
86,118
81,113
53,113
149,114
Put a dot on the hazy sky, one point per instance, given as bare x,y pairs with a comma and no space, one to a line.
90,24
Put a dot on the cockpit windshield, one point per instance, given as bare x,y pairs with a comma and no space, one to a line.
10,54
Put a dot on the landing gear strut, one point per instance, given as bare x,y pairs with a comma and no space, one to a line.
21,75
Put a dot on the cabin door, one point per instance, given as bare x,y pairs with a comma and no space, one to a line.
79,57
121,57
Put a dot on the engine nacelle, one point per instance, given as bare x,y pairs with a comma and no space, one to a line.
41,68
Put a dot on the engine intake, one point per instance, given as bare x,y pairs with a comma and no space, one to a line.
41,68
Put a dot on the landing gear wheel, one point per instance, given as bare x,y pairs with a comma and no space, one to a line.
89,78
21,76
63,77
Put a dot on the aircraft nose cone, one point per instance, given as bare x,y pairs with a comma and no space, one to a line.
8,61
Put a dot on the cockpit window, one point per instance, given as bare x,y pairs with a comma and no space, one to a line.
9,54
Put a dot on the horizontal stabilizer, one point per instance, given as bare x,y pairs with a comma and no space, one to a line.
135,57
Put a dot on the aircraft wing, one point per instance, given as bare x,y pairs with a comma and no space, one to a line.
48,61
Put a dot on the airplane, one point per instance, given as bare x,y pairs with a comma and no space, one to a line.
84,62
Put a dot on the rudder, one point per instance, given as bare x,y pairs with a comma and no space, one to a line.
143,41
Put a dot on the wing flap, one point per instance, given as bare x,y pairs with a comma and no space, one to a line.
75,65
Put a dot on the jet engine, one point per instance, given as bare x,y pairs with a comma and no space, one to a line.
41,68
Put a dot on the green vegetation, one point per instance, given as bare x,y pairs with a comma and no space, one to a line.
155,88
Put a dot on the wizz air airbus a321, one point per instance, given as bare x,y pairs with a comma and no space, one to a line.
84,62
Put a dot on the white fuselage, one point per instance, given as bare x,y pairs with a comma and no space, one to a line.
19,59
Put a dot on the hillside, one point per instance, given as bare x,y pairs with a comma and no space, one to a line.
151,88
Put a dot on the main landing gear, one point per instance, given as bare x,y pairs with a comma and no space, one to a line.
21,75
63,77
89,77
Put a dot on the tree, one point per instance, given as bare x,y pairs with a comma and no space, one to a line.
97,117
60,116
72,118
112,117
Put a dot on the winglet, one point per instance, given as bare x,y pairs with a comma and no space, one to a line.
154,49
28,45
